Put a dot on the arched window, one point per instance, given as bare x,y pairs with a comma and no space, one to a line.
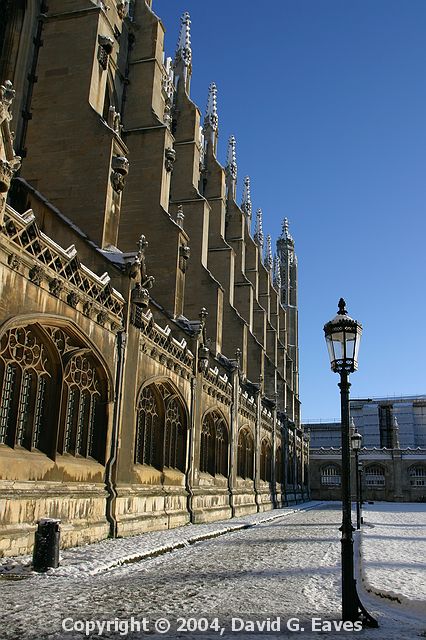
214,445
279,466
207,452
84,432
32,384
245,454
290,469
418,476
265,461
330,476
374,476
174,436
149,435
221,447
160,428
26,378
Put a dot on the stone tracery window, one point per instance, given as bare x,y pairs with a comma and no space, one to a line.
290,469
245,455
31,386
161,429
175,436
214,445
265,461
25,378
81,398
279,466
207,453
148,440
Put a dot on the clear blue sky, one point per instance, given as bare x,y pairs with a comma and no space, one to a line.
327,101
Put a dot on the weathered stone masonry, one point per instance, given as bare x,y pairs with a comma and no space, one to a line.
148,347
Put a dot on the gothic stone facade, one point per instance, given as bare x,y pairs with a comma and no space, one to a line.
393,456
141,387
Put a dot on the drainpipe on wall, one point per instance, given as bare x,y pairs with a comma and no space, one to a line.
257,451
234,435
109,482
190,458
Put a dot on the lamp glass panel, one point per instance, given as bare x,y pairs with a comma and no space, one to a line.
330,348
339,345
350,344
357,343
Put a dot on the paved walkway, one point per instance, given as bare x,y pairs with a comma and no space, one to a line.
285,568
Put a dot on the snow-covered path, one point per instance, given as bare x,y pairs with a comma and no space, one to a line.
287,567
394,552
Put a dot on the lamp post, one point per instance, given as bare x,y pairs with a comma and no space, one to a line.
342,335
360,471
356,442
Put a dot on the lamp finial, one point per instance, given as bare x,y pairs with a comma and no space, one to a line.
342,308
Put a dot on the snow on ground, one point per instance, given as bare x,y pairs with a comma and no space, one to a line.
286,567
394,552
95,558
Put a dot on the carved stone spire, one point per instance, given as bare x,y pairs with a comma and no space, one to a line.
168,89
277,274
183,49
258,230
288,266
268,254
231,168
211,120
246,205
231,159
285,233
183,57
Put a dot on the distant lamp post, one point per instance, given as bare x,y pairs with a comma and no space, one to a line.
356,443
342,335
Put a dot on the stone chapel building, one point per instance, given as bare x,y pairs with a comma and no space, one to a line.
142,386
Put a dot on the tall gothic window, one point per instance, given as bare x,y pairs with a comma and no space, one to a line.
149,435
174,435
245,455
32,359
81,394
207,453
265,461
160,428
279,466
290,469
214,445
26,377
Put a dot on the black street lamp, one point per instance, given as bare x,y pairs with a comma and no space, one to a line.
356,443
342,335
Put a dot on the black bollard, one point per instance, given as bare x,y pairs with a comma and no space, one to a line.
46,545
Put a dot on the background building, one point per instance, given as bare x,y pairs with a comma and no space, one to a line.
141,388
393,453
